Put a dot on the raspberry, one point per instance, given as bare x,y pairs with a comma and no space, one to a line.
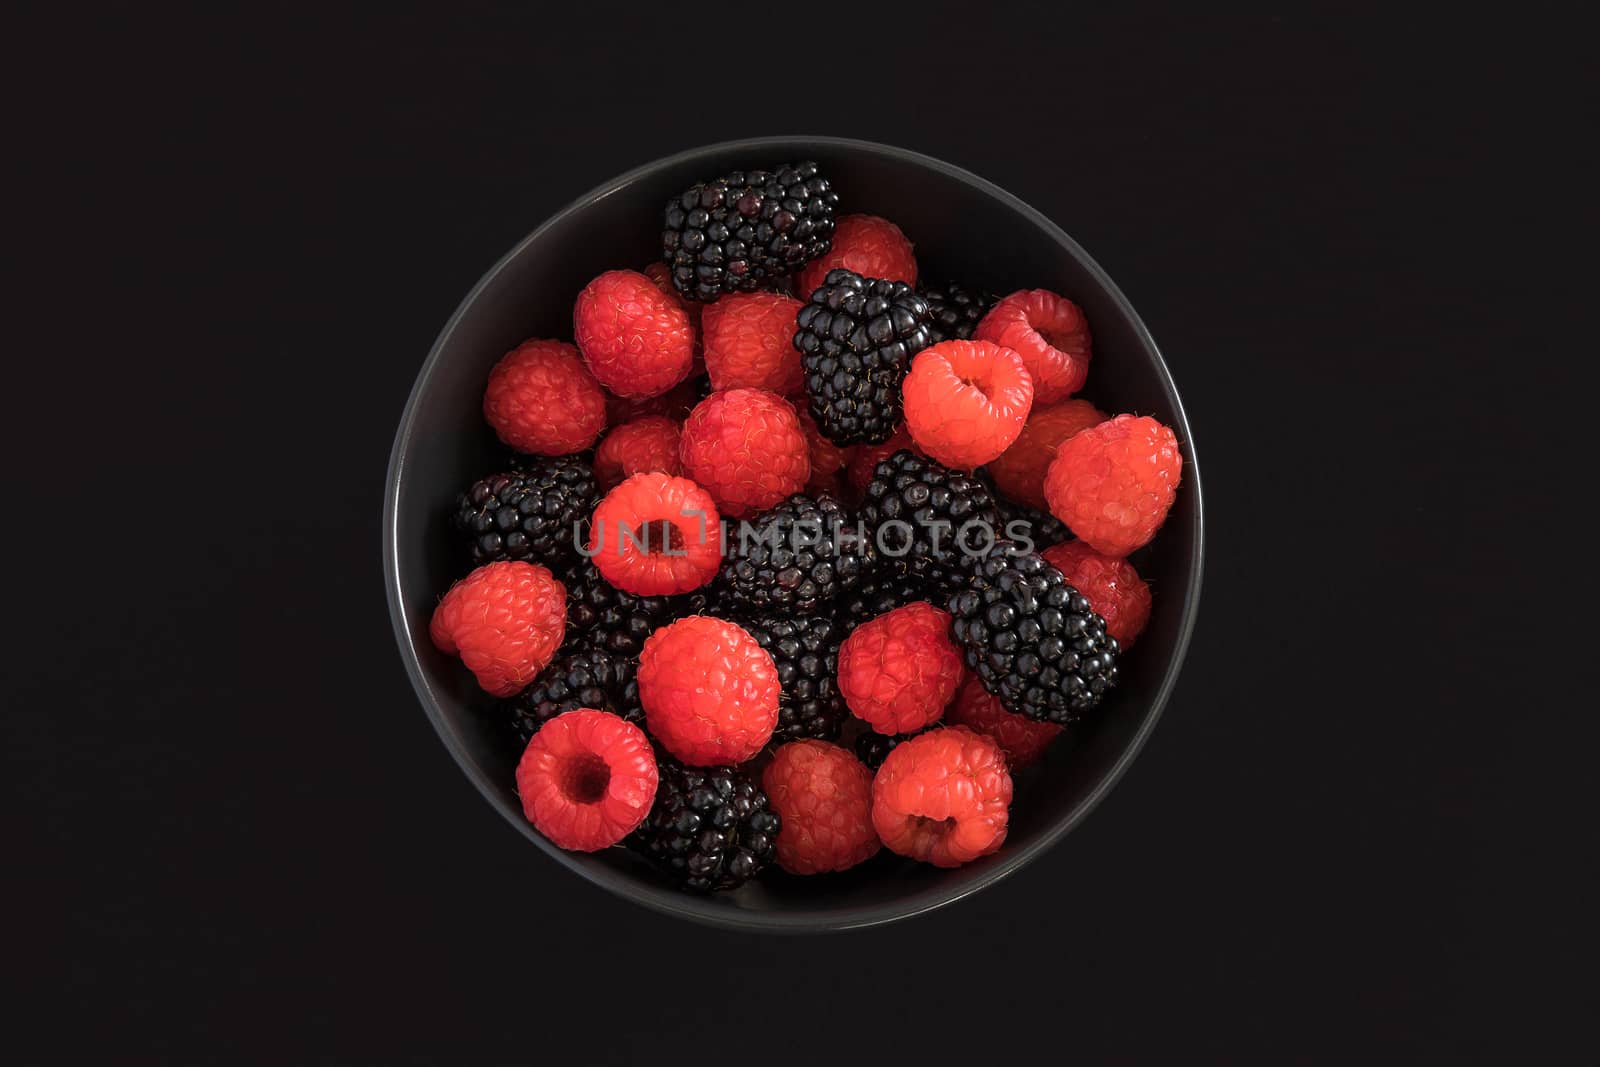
637,447
943,797
655,535
826,457
658,273
709,690
1019,472
675,403
864,462
1022,739
505,620
899,670
637,341
1113,484
587,779
1113,588
1049,333
542,399
966,401
823,794
745,446
749,343
866,244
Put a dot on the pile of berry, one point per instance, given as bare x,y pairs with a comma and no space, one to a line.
797,556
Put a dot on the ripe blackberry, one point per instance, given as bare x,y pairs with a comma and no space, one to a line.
856,338
581,677
710,827
920,513
806,653
529,513
956,310
742,231
795,558
599,615
1044,529
878,594
872,748
1032,639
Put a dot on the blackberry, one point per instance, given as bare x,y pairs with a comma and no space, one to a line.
795,557
956,310
599,615
1032,639
922,517
872,748
529,513
856,338
582,677
877,595
743,231
806,653
1042,528
710,827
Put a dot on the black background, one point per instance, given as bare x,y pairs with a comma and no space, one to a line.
1360,833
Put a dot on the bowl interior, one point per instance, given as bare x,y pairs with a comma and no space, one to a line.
965,230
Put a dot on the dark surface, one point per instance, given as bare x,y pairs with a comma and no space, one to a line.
1363,829
442,443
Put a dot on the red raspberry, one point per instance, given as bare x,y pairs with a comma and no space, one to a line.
823,795
1022,739
586,779
1113,588
636,340
826,457
866,244
709,690
746,447
637,447
675,404
1019,472
1049,333
541,399
1113,484
749,343
655,535
867,458
505,620
966,401
658,273
942,797
899,670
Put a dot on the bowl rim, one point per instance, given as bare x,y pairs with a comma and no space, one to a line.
699,909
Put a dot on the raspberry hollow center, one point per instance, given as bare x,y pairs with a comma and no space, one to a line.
657,536
926,827
585,778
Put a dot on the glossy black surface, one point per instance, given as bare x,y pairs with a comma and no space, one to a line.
964,229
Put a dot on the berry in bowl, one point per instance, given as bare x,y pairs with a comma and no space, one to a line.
794,534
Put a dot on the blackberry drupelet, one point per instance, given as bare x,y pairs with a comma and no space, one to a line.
582,677
806,653
599,615
920,513
1042,528
743,231
878,594
856,338
795,557
710,827
1032,639
529,513
872,748
956,310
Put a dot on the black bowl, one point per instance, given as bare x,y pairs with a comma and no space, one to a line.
965,229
